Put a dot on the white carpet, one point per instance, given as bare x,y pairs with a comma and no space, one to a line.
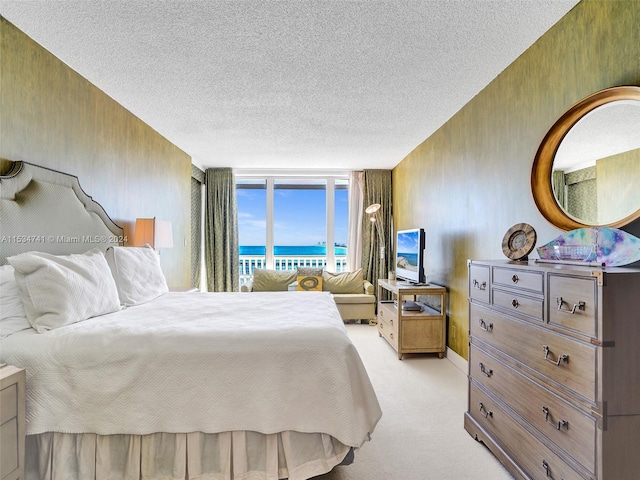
421,434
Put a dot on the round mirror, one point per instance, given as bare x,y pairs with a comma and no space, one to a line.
587,169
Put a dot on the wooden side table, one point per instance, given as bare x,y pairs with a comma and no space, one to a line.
12,404
422,331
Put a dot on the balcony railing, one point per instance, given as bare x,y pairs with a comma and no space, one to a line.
249,262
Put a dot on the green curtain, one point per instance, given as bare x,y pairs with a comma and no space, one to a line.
377,189
221,231
197,179
559,187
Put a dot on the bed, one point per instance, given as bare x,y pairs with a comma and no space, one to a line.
171,385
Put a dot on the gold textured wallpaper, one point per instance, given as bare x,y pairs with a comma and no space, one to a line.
468,183
52,116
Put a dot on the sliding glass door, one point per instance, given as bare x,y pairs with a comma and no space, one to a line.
286,222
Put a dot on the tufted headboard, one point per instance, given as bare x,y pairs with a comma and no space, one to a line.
47,211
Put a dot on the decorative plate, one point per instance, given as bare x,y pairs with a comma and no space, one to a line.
519,241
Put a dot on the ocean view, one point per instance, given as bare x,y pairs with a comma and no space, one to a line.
410,259
292,250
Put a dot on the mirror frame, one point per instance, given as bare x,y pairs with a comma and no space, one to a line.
543,162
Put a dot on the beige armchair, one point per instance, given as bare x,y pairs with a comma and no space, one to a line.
357,306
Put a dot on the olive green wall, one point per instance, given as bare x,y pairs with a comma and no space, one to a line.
51,116
469,182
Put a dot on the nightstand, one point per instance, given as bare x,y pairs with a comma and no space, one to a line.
12,381
413,331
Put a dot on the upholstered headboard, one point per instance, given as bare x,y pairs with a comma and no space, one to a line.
46,210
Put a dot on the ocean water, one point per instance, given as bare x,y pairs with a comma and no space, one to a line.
411,258
292,250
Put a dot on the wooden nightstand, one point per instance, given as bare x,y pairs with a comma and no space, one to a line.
12,380
422,331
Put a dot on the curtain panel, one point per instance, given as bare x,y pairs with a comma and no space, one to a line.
356,213
221,231
197,180
559,187
377,189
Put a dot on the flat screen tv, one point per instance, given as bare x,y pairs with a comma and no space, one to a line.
410,255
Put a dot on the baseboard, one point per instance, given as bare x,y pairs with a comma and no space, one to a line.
459,362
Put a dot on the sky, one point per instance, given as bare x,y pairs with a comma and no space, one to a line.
408,243
299,216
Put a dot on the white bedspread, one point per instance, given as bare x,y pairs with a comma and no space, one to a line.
208,362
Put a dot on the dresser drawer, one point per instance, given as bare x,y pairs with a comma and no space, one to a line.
538,461
8,403
565,361
388,323
568,427
572,304
479,282
519,279
519,304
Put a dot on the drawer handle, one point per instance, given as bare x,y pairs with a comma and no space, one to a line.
484,326
391,336
548,356
561,423
580,306
515,303
487,372
391,321
515,278
485,412
547,469
479,286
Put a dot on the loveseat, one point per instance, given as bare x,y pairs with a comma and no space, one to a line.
354,296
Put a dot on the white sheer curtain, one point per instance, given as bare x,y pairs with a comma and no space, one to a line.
356,209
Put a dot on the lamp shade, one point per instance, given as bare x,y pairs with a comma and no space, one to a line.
156,233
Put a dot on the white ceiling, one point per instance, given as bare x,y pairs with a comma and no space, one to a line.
331,84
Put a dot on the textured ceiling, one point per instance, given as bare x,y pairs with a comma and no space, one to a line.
289,84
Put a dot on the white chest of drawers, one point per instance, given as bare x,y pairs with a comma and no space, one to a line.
554,368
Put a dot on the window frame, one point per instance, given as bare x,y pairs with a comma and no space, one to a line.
330,178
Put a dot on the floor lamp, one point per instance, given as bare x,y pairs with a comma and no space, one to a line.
373,211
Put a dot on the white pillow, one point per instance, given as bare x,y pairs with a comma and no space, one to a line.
137,273
12,315
61,290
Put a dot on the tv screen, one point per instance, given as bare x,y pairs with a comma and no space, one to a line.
410,255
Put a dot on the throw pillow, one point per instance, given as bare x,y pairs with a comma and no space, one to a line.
309,283
267,280
345,282
309,272
61,290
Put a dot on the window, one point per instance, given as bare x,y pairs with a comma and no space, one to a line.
286,222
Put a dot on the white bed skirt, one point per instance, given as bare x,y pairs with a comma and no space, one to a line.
181,456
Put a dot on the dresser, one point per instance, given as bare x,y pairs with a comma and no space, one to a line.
11,422
554,368
413,331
